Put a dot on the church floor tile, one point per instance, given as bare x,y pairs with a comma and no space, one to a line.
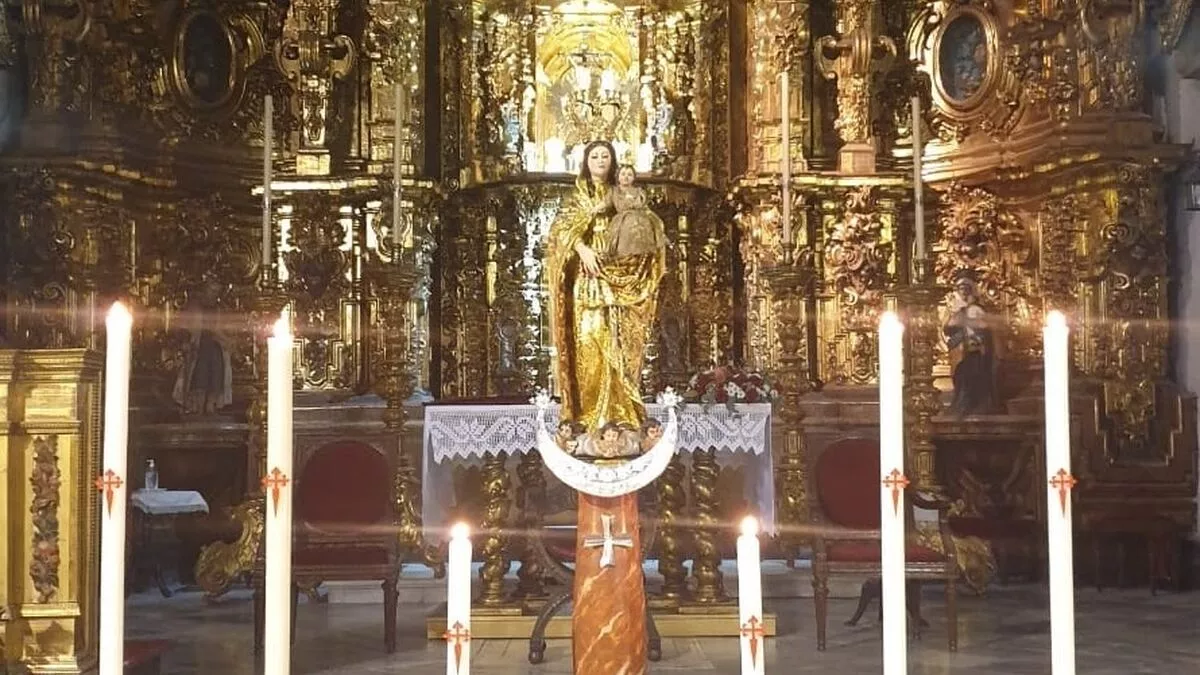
1005,633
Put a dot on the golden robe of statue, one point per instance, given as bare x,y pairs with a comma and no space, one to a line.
602,309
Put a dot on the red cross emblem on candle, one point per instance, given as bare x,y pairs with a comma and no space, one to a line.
108,484
754,630
897,481
274,481
458,635
1063,481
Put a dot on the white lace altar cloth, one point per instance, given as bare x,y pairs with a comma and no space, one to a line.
465,434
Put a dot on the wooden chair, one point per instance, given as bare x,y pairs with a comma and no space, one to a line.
345,528
847,538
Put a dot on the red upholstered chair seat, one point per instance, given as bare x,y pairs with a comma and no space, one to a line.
870,552
560,548
847,486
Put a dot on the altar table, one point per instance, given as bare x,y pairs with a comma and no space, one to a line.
468,434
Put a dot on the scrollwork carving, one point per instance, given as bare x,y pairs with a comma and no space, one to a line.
1129,348
857,258
313,55
980,237
321,281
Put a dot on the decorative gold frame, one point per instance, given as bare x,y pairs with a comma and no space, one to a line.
970,106
245,46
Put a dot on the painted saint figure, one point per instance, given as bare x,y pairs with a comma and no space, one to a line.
969,329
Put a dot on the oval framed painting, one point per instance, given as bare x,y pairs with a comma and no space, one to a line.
204,63
964,58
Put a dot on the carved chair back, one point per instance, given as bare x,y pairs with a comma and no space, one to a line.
344,491
847,483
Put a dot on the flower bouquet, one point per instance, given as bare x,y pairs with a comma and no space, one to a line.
729,385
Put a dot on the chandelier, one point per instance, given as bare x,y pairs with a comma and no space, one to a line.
596,106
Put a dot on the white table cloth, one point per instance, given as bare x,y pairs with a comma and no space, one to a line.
168,502
465,434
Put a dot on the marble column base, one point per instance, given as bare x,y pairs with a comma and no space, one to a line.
609,621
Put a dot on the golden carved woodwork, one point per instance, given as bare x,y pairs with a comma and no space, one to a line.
854,57
50,445
313,55
143,137
777,40
492,285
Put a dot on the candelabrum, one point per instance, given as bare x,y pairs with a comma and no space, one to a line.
919,301
791,282
222,563
398,279
268,305
595,108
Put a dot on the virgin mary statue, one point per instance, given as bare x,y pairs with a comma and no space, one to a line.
602,309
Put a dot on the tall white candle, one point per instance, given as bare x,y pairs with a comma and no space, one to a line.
785,124
268,141
918,183
397,167
750,614
277,485
1056,353
458,601
112,484
892,485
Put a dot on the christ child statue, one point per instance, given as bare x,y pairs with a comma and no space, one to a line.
635,229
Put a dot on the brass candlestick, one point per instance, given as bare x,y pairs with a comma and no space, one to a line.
398,279
919,301
791,285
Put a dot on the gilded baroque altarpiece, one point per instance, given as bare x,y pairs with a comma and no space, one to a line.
136,172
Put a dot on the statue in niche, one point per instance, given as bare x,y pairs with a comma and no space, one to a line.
969,331
204,384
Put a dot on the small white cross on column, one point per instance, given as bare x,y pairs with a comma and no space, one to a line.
607,542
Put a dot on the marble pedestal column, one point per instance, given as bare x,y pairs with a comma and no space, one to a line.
609,622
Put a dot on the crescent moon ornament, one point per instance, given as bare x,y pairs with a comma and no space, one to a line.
604,481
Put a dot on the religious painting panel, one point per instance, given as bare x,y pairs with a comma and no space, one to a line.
204,59
963,49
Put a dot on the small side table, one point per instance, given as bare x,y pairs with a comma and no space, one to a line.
154,513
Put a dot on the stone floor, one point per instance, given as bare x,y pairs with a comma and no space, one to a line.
1124,632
